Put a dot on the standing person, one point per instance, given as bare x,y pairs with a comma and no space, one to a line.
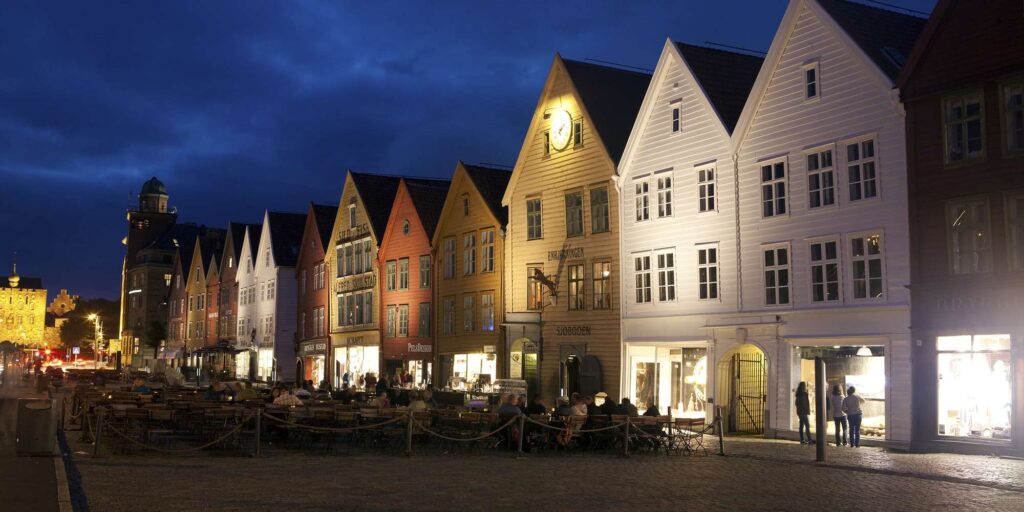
835,405
851,406
803,410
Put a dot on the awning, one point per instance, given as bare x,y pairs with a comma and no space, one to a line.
169,353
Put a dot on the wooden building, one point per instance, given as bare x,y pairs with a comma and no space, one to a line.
468,254
963,88
562,260
312,340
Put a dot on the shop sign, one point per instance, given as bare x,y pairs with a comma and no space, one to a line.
314,348
420,348
488,349
359,231
572,330
976,304
368,280
212,315
566,253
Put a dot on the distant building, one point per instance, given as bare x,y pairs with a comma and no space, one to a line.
63,303
22,309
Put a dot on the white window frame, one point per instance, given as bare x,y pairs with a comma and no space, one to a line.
853,259
487,311
822,171
642,191
642,278
389,325
676,116
778,272
823,263
534,219
665,267
449,258
707,188
816,67
708,267
403,273
860,163
981,262
963,98
773,185
487,250
663,184
424,271
468,312
576,299
390,275
403,321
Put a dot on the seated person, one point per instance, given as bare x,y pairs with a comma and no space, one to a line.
652,411
217,391
608,407
428,398
287,399
537,407
508,406
139,386
381,401
247,393
301,392
563,409
627,409
416,403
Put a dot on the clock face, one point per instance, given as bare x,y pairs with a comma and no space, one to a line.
561,129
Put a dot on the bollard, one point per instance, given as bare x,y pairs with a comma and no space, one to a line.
522,434
99,432
259,428
408,436
625,441
721,434
820,427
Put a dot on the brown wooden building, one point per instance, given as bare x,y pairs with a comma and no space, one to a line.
963,87
312,340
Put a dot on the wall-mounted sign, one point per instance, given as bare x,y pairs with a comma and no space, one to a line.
976,304
360,231
367,280
489,349
572,330
566,253
313,348
418,347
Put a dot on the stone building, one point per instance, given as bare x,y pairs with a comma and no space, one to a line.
22,309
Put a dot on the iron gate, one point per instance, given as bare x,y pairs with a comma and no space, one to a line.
749,387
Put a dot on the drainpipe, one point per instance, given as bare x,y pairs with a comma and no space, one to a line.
736,211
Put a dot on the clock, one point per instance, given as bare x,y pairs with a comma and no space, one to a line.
561,129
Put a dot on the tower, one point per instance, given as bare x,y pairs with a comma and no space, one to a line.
153,197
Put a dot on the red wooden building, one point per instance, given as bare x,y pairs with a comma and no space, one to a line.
312,339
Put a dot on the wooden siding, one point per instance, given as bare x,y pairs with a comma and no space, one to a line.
549,178
229,285
309,300
453,224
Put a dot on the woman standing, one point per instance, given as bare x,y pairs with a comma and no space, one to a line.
803,410
851,406
835,405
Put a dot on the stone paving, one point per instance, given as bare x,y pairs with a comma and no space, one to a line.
758,475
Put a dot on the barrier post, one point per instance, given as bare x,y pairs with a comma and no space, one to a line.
721,432
522,434
259,429
408,435
820,389
99,431
625,440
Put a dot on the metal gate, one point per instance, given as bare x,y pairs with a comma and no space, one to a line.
749,390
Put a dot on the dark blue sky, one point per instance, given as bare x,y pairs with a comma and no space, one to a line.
247,105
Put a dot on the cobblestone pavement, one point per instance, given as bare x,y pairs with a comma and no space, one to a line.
760,475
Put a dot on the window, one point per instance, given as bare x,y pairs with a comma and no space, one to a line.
533,221
390,275
340,253
643,201
577,132
367,249
449,315
449,258
469,254
467,313
487,251
866,261
860,163
424,323
676,121
349,260
547,143
706,190
465,205
821,187
773,189
1015,224
602,283
351,216
599,210
576,288
403,320
642,275
389,329
302,283
574,214
776,276
707,273
975,386
963,127
534,288
664,196
825,271
403,274
811,81
425,271
968,237
266,258
487,312
666,276
1013,110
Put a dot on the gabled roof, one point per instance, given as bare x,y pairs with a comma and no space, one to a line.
237,230
324,215
491,183
175,236
726,78
27,283
377,193
286,236
186,245
887,37
255,233
612,97
211,244
427,197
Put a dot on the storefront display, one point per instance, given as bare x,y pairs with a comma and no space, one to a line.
353,364
862,367
472,371
242,364
674,379
265,364
975,390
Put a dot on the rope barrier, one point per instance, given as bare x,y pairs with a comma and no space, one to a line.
582,431
333,429
469,439
184,450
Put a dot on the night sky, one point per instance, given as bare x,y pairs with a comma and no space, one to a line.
243,106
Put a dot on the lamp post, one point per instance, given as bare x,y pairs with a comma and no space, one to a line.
98,344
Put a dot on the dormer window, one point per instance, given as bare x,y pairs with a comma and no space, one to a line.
812,81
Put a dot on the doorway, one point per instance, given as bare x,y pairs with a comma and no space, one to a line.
743,382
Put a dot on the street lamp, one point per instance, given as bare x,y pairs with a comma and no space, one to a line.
98,344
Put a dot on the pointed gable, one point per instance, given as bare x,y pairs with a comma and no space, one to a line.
285,230
612,97
885,36
324,216
725,77
428,198
491,183
377,193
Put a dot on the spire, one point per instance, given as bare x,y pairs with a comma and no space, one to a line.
13,280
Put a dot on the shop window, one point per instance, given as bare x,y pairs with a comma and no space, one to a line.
968,237
602,282
975,386
672,379
862,367
821,187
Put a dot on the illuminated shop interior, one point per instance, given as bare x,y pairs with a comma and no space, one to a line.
862,367
975,393
357,361
672,378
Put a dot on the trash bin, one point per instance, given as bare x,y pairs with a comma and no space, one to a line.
35,428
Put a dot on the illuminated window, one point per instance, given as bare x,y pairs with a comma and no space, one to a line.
602,283
776,276
866,264
574,214
487,312
773,188
576,287
707,273
968,236
821,187
963,122
975,395
534,288
642,276
862,175
825,271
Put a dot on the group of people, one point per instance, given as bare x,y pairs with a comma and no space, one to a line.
844,410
